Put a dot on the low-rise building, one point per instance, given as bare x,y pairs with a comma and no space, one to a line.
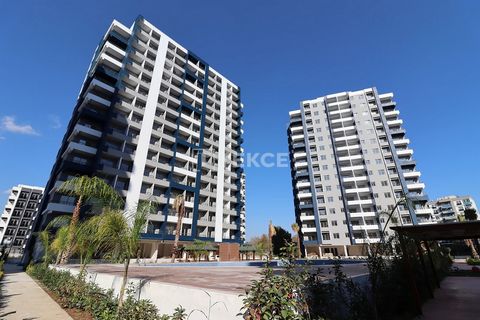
451,208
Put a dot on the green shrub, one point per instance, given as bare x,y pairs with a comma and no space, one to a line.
75,292
473,262
1,270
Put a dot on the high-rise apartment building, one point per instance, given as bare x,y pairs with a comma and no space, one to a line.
452,208
155,120
18,216
351,163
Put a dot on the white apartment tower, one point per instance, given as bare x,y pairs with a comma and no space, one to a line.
17,218
155,120
350,163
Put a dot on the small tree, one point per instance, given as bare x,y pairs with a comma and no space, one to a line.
470,214
179,207
262,244
296,230
280,239
119,237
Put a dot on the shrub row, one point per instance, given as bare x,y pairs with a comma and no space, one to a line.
473,262
74,292
1,269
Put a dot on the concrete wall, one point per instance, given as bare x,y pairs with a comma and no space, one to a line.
168,296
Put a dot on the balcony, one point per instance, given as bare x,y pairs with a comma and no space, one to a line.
304,195
355,157
357,190
80,148
393,123
401,142
300,155
309,229
411,174
87,131
359,178
365,227
298,137
413,186
303,164
303,184
359,202
353,168
296,129
405,152
362,214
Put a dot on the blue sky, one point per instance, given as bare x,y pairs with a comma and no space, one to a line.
279,52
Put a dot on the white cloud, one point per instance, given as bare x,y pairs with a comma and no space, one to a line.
7,191
8,124
2,138
55,120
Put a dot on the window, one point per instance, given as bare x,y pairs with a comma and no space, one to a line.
328,188
384,183
375,195
316,113
324,223
325,236
378,161
376,151
330,199
332,211
373,141
336,236
325,167
347,235
326,177
381,172
388,195
345,222
317,121
319,129
322,148
334,222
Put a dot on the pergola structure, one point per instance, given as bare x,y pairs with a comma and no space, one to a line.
422,234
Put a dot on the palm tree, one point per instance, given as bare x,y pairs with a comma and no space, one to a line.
60,243
87,240
119,236
86,189
179,207
296,230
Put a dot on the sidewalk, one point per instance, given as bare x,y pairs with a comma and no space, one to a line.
21,294
457,299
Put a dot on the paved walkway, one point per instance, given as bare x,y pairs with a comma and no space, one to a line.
21,294
457,299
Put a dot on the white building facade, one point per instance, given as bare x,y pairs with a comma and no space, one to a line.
156,121
350,164
17,218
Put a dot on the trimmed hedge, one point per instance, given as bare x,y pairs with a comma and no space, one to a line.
74,292
473,262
